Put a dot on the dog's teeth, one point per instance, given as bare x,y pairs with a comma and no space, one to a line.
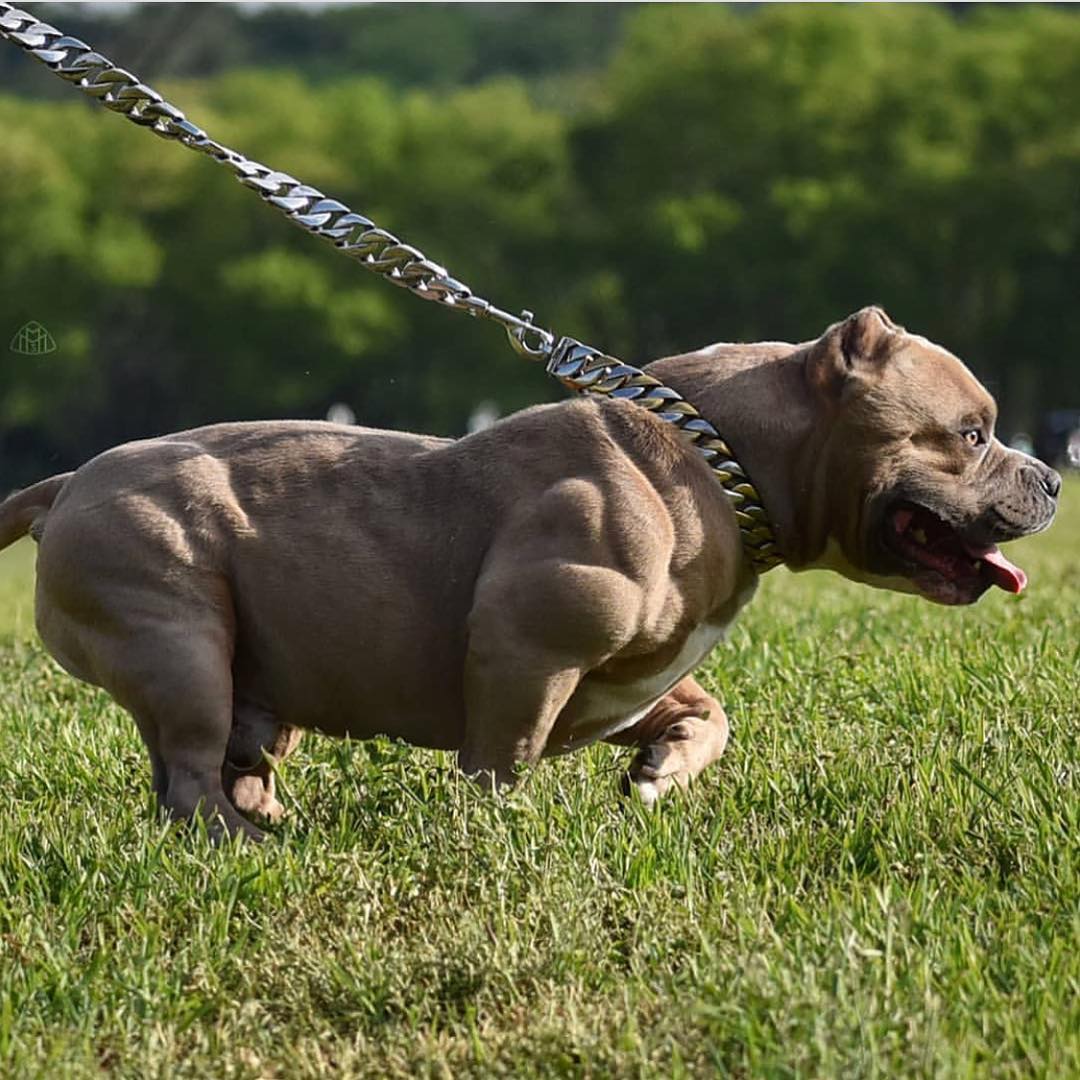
919,535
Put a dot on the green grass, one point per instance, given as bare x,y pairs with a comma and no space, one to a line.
879,879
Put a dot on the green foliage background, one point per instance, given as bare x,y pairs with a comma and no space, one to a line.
647,179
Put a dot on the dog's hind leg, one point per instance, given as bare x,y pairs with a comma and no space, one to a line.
683,733
171,669
177,683
132,598
257,743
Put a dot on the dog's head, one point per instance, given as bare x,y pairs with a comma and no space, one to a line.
919,491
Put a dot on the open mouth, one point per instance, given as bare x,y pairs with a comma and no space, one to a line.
942,564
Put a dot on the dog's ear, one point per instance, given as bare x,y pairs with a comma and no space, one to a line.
856,346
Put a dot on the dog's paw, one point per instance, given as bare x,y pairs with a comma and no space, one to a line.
250,796
660,766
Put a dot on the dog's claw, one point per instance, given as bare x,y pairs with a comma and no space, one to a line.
648,793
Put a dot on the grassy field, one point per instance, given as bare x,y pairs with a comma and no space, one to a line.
879,879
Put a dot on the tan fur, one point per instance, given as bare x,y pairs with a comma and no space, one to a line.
510,595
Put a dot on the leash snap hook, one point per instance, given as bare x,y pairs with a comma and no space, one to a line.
529,341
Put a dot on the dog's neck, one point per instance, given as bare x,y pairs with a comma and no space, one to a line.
735,387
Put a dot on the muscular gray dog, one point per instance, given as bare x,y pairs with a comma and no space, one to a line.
518,593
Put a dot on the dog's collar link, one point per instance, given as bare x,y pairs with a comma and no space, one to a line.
588,371
575,365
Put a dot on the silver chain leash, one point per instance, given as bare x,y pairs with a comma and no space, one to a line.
355,235
577,366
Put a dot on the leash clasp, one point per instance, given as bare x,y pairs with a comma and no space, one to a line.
529,341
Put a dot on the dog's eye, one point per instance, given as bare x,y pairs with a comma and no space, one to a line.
973,436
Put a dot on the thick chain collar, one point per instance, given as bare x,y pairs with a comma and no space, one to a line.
588,371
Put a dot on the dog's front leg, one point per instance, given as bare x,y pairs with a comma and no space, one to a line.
533,631
512,699
685,731
537,624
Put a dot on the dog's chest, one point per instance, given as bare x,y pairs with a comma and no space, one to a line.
600,709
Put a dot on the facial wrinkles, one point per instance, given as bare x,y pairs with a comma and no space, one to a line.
997,462
984,462
936,435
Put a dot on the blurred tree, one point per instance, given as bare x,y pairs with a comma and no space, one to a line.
405,44
785,168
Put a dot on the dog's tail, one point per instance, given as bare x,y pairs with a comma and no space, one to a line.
21,512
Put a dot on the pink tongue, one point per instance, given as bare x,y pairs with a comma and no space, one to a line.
1006,575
